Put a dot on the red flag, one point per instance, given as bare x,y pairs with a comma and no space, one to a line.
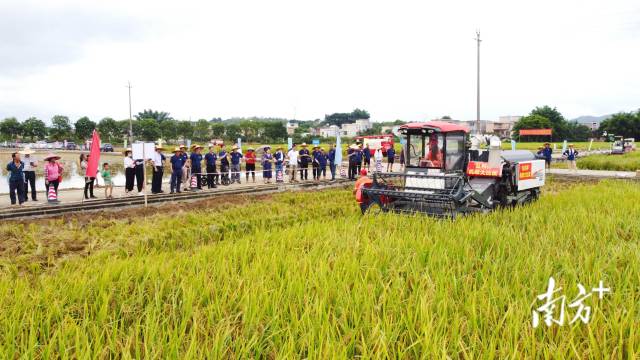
94,155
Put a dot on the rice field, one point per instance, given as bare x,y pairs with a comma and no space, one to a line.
304,275
625,162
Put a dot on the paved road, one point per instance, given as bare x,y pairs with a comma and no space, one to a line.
604,174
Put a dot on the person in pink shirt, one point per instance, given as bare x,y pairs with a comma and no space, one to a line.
52,172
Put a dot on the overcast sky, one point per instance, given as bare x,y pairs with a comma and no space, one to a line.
410,60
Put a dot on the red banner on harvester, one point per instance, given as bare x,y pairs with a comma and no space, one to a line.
482,169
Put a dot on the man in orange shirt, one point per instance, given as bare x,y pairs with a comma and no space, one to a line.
363,181
250,160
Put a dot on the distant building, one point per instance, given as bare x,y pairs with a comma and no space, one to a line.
330,131
291,128
502,127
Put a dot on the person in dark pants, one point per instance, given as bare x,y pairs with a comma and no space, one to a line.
224,166
129,171
546,153
303,159
196,165
391,157
332,161
158,170
236,156
315,166
366,153
210,161
88,181
29,171
322,164
139,171
351,155
177,162
16,179
358,155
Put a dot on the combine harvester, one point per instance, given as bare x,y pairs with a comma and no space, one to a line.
445,177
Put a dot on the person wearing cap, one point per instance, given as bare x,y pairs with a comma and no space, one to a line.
366,152
224,165
196,165
351,155
30,164
267,160
236,157
279,160
322,164
391,157
16,179
250,164
363,181
315,171
177,165
293,162
571,154
331,158
546,153
210,163
157,161
303,160
129,171
52,172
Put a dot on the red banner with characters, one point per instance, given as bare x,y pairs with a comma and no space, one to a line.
483,169
536,132
525,171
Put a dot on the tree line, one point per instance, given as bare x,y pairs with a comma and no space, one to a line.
545,117
626,124
148,125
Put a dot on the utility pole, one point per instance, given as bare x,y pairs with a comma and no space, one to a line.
130,120
477,39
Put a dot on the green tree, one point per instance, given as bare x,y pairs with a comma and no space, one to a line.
123,127
275,132
533,121
169,129
34,128
10,128
109,130
233,132
626,124
360,114
558,122
578,132
84,128
202,130
60,128
185,129
158,116
217,130
147,130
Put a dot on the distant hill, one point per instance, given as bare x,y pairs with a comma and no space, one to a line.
588,119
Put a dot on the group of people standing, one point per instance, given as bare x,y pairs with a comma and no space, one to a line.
360,158
22,175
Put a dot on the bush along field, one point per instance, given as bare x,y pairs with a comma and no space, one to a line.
305,275
626,162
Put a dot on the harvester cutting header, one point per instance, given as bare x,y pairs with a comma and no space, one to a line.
447,175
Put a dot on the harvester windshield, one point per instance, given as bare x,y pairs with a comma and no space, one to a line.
435,150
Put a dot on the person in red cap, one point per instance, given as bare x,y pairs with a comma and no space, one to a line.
363,181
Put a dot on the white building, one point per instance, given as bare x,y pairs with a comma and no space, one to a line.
330,131
291,128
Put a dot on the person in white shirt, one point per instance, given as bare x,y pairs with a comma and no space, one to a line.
378,157
29,171
158,170
129,171
293,162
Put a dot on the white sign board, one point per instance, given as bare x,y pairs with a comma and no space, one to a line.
149,149
137,151
530,174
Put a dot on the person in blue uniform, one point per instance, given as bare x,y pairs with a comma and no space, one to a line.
303,160
322,164
358,155
315,166
331,157
391,157
267,160
366,152
351,155
196,165
546,153
236,156
210,162
177,163
279,160
224,165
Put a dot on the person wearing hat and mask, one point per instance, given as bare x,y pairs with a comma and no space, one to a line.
52,172
30,164
196,165
546,153
332,161
293,162
177,165
267,160
571,154
16,179
236,157
250,164
303,160
157,161
129,171
223,155
210,163
315,154
279,160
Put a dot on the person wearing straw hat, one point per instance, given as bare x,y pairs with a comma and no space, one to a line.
547,153
210,163
177,163
157,161
129,171
303,159
571,154
267,160
250,164
16,179
52,172
196,165
236,156
30,164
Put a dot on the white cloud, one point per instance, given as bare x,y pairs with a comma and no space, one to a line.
405,59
